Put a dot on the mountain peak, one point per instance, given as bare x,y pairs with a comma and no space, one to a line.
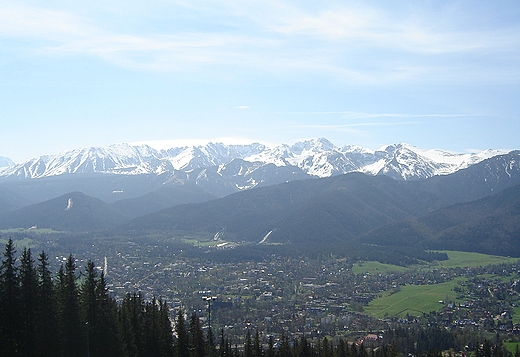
315,145
6,162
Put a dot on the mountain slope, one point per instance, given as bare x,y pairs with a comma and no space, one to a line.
164,197
489,176
10,200
489,225
72,212
338,208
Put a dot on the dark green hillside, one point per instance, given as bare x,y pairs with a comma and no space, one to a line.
164,197
349,206
71,212
336,208
242,215
489,225
10,200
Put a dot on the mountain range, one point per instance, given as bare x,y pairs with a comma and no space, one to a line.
125,171
396,197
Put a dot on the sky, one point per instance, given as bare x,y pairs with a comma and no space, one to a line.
434,74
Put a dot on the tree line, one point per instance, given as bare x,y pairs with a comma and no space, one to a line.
73,314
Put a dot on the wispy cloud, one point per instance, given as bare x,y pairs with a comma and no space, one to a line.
354,44
361,115
361,120
354,125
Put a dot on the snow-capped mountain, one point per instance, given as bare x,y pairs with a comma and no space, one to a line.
403,161
5,161
245,166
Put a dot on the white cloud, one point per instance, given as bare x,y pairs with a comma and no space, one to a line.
354,44
18,20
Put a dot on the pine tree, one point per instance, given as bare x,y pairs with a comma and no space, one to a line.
270,348
90,306
285,347
108,334
47,340
151,328
183,344
196,337
257,346
9,303
99,314
129,318
223,344
28,296
248,345
304,348
74,341
210,342
165,330
157,330
342,349
325,349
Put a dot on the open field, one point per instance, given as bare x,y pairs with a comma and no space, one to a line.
468,259
19,244
376,268
511,346
416,299
516,315
456,259
412,299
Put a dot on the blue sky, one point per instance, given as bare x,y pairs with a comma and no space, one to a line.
435,74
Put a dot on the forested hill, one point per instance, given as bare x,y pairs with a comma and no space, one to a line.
489,225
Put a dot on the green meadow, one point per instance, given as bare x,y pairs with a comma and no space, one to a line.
19,243
418,299
469,259
376,268
456,259
511,346
412,299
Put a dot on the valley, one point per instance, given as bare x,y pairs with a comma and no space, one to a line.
298,294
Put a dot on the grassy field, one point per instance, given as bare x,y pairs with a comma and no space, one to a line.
376,267
19,244
456,259
412,299
516,315
467,259
511,346
416,299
